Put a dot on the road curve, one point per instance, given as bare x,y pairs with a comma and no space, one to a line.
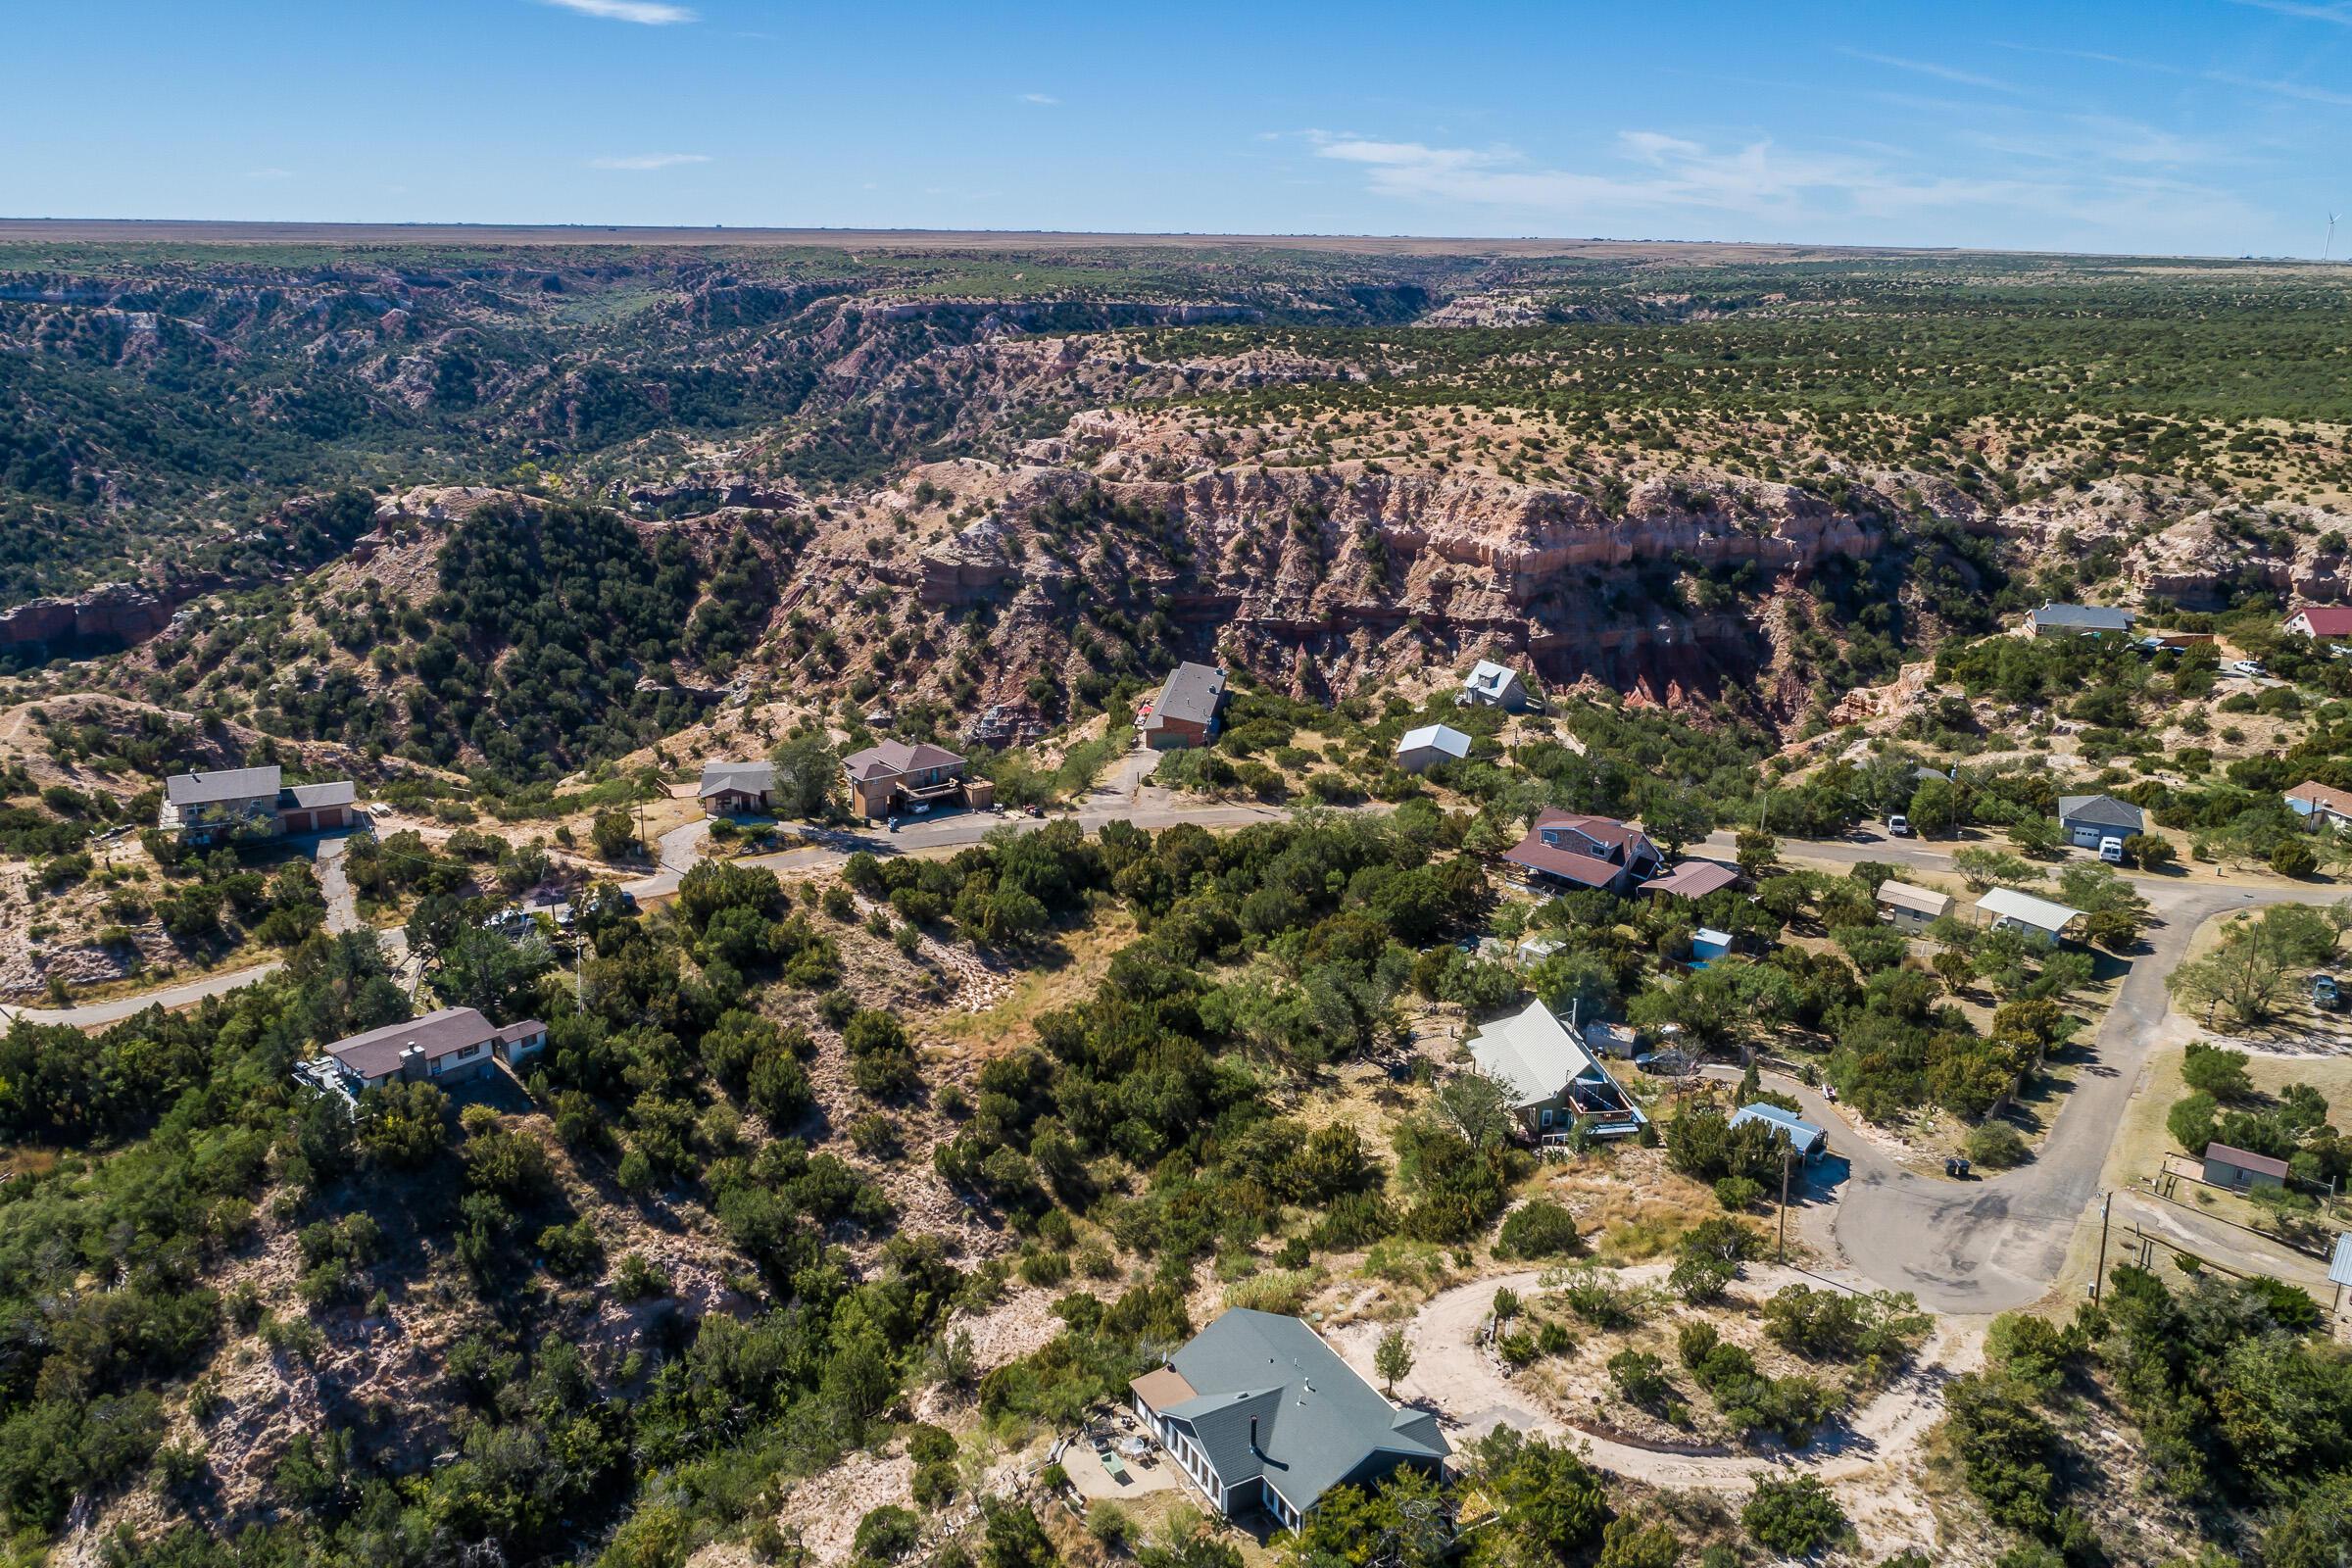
1997,1243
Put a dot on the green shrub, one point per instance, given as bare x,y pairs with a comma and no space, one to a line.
1794,1517
1996,1145
1538,1229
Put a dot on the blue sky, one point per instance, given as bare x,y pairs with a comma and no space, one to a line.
2217,127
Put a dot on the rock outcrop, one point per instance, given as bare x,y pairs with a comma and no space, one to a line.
114,615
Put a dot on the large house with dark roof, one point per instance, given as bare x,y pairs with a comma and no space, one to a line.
454,1045
1184,712
895,776
1263,1416
253,802
1568,850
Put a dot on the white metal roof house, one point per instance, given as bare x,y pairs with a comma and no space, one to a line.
1262,1415
1804,1137
1431,744
1554,1081
2008,909
1493,685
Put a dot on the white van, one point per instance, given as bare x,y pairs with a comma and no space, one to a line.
2111,850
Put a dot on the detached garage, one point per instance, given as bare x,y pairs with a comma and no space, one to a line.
2090,818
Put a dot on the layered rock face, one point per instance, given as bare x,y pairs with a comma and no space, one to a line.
116,615
1321,577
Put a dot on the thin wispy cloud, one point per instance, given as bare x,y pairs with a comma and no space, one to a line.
643,161
2095,57
2341,15
1646,174
1045,99
2283,89
1928,68
645,13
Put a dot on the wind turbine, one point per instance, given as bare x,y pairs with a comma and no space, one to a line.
2327,250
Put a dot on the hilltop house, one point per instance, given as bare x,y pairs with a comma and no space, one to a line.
1184,712
737,789
2090,818
2320,620
1425,748
2319,805
1493,685
1554,1080
895,777
207,807
1568,850
2078,620
454,1045
1262,1416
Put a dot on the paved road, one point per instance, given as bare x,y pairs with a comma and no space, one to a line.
342,915
1994,1243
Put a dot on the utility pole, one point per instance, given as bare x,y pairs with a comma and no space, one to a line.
1785,1153
2100,1268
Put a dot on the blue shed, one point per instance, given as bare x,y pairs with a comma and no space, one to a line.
1804,1137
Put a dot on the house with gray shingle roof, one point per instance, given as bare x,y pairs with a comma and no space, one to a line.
730,789
2088,818
251,802
897,776
1263,1416
1184,712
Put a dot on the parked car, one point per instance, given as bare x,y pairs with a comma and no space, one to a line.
2325,993
1899,825
2246,666
2111,850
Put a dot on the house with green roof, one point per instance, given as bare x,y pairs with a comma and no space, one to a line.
1263,1416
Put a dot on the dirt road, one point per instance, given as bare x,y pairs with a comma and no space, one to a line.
1473,1393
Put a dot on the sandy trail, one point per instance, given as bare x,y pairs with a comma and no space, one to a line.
1473,1393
